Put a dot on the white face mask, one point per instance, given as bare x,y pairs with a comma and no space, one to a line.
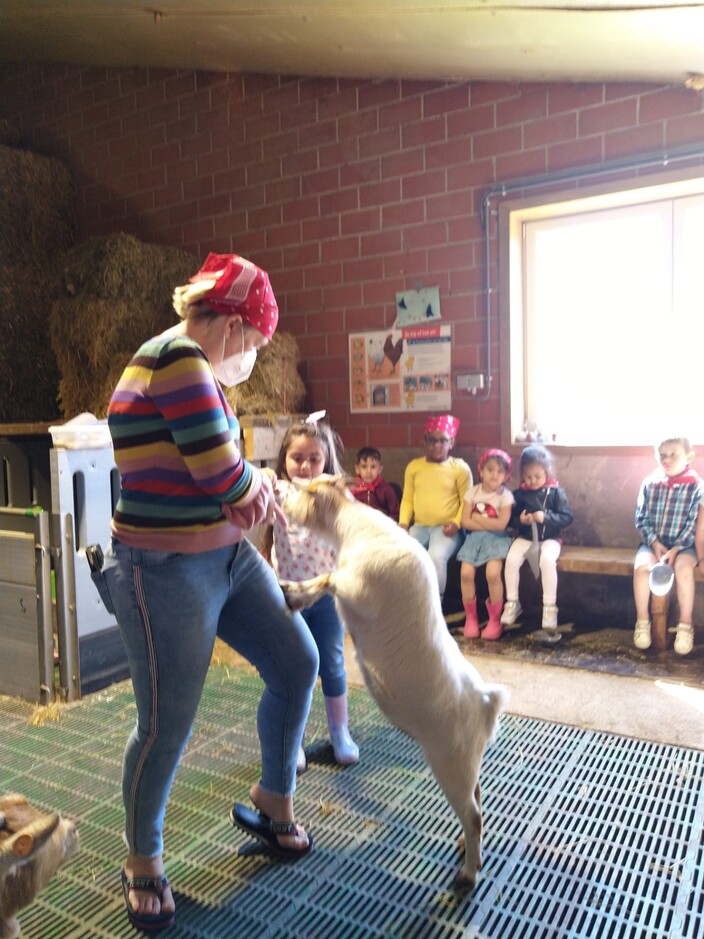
237,368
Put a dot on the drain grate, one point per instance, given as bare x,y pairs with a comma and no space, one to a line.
587,835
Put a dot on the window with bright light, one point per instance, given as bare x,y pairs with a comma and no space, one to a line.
606,316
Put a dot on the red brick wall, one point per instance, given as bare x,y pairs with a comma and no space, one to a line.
345,191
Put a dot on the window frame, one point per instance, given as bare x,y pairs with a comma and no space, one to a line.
512,212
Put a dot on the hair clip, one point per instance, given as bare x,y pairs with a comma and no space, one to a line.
315,417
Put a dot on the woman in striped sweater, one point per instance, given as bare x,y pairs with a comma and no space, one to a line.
179,571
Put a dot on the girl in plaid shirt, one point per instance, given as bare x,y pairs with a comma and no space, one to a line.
666,520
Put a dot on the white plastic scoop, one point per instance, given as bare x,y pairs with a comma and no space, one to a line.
660,578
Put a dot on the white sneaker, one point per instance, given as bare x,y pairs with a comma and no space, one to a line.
641,634
684,640
512,610
549,617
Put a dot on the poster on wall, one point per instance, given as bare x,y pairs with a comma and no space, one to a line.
401,369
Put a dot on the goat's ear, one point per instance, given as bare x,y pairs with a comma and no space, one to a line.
323,481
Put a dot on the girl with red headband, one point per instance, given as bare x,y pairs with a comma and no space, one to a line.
434,487
485,516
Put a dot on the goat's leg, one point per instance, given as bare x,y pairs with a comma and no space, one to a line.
300,595
458,779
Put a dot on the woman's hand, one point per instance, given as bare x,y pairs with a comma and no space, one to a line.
262,508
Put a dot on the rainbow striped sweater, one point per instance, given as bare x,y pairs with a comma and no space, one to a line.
174,436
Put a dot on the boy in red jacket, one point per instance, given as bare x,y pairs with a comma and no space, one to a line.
370,487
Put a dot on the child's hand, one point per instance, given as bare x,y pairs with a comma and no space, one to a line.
669,556
658,549
449,529
525,517
539,517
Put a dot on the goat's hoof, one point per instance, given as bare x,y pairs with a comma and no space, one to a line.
464,881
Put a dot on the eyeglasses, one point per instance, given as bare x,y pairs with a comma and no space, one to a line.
432,441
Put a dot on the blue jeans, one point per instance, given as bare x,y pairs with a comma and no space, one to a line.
439,547
329,635
169,609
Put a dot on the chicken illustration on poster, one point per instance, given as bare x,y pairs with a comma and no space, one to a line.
401,369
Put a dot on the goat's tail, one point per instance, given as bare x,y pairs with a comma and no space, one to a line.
496,698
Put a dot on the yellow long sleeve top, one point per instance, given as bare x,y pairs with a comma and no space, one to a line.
433,493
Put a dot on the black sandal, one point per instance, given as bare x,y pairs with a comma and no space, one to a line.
260,826
147,922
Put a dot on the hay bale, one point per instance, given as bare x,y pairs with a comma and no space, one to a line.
123,267
113,293
36,226
9,134
275,387
94,339
30,372
36,208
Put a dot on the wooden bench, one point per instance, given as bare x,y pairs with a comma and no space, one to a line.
618,562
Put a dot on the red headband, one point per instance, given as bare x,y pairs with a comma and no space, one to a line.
240,287
498,455
444,424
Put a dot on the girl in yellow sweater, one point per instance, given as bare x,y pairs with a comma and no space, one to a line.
434,488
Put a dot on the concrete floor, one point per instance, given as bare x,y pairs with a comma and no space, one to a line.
664,706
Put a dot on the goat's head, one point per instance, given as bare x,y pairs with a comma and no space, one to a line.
33,846
314,503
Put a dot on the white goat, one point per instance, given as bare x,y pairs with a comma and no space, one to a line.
386,593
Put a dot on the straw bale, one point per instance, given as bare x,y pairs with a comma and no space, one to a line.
30,373
114,292
9,134
36,207
275,387
121,266
36,226
93,340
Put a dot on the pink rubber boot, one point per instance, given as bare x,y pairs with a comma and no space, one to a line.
494,628
345,749
471,623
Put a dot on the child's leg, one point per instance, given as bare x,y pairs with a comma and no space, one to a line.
469,600
441,549
493,579
421,533
641,588
514,559
549,553
684,581
495,603
329,636
467,574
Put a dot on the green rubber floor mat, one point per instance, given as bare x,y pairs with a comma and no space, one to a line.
586,834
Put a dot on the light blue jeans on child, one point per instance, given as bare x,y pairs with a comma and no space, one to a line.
329,635
439,547
169,608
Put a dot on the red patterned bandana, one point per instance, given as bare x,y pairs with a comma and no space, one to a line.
442,424
240,287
